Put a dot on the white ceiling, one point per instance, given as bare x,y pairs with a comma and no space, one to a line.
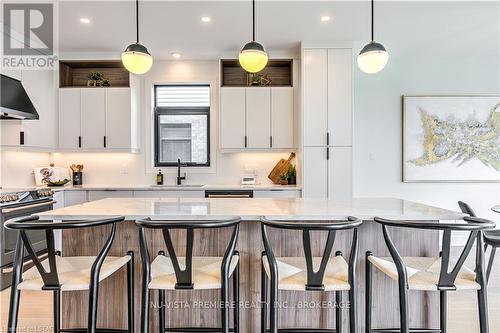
175,26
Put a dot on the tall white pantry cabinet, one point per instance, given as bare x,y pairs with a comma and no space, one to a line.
327,123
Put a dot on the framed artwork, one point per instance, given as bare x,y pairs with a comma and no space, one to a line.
451,138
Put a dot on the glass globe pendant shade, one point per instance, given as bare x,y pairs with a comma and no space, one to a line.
137,59
373,58
253,58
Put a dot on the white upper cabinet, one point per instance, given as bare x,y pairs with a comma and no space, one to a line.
340,96
93,117
97,119
38,134
258,117
327,97
69,118
118,118
282,117
232,123
314,96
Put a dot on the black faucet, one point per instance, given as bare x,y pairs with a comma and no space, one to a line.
179,178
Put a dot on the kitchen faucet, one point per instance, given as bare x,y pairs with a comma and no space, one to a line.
179,178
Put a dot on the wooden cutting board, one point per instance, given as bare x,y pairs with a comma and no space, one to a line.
280,168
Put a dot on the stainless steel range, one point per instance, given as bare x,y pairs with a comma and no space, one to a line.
17,204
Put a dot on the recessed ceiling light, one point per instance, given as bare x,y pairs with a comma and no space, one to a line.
206,19
176,55
84,20
325,18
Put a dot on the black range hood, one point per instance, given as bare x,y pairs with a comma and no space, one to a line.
14,101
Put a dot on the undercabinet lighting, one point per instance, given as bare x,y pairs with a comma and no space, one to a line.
206,19
325,18
176,55
84,20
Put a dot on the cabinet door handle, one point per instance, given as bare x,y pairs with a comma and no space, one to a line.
105,141
327,153
246,141
327,138
21,138
79,141
271,141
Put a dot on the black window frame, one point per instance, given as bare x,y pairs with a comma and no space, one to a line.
161,110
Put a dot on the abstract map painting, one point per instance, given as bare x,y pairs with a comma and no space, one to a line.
451,138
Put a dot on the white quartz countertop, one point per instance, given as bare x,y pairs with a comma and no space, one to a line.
107,187
171,187
252,209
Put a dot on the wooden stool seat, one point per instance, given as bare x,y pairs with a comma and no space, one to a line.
292,273
423,273
73,272
206,272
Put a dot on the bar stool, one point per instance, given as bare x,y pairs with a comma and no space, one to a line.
189,272
57,273
491,238
441,274
297,273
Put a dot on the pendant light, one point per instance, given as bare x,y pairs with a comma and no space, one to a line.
373,57
253,58
136,57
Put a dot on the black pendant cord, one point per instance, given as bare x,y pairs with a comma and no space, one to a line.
253,20
137,19
372,22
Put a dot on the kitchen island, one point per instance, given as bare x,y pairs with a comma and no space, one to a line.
301,311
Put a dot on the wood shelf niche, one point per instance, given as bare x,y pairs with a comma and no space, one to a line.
75,73
278,70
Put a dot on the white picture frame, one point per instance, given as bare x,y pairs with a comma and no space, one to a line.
441,135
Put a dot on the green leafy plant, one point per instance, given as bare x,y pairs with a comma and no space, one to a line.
284,176
105,83
292,172
95,76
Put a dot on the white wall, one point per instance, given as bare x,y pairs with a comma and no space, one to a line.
17,167
454,50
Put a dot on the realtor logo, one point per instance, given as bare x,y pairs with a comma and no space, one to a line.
28,37
30,29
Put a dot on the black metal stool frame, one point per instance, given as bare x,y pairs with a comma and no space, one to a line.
314,279
51,280
184,277
446,278
490,238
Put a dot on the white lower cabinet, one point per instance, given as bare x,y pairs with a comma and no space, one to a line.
74,197
169,194
315,172
327,172
277,194
97,195
58,199
340,173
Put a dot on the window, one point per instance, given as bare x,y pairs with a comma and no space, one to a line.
182,125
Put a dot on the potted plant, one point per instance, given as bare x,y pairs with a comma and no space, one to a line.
292,175
284,179
94,78
105,83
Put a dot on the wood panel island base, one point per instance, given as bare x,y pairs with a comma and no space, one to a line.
200,308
